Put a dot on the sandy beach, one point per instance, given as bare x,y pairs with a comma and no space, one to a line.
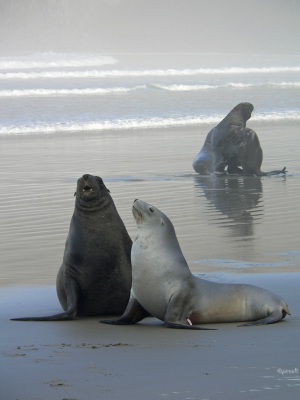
83,359
252,237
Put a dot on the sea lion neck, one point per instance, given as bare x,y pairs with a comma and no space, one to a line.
100,205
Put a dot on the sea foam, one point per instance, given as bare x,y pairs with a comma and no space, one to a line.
124,124
113,73
55,60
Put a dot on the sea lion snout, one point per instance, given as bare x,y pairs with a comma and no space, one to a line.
86,177
87,188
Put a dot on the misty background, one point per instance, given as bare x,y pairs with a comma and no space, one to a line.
138,26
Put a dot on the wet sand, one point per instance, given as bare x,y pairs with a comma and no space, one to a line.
83,359
230,230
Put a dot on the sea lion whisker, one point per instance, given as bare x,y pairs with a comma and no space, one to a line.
137,213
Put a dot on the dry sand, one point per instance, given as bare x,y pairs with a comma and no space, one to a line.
85,360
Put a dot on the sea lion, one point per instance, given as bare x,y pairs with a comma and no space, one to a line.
164,287
95,275
230,144
237,118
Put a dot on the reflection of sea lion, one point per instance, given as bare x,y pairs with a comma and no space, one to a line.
95,276
233,145
237,197
164,287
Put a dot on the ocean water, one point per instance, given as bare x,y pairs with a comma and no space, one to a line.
138,121
46,93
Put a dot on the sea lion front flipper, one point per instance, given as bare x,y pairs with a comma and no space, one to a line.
72,294
187,326
134,313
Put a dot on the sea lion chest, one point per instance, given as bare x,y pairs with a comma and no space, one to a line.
88,250
155,275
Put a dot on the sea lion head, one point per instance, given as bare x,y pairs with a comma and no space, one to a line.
146,214
91,192
150,220
237,118
154,229
243,110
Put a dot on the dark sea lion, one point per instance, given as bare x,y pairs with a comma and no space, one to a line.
95,275
234,121
230,144
164,287
241,148
237,118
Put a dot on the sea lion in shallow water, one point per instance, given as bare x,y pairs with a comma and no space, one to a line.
230,144
95,275
237,118
164,287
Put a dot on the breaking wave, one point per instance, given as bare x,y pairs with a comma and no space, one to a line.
67,92
54,60
116,90
124,124
113,73
241,85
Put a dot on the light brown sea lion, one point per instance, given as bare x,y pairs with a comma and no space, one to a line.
164,287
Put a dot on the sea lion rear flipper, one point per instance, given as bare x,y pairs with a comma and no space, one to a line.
278,172
275,316
134,313
71,291
65,316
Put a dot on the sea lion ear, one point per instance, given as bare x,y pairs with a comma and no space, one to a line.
101,183
75,193
162,222
105,187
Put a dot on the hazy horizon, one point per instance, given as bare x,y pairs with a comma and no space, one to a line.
140,26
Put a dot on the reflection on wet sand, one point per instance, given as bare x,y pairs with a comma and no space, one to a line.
238,198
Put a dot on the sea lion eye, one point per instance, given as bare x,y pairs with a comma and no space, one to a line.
151,209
